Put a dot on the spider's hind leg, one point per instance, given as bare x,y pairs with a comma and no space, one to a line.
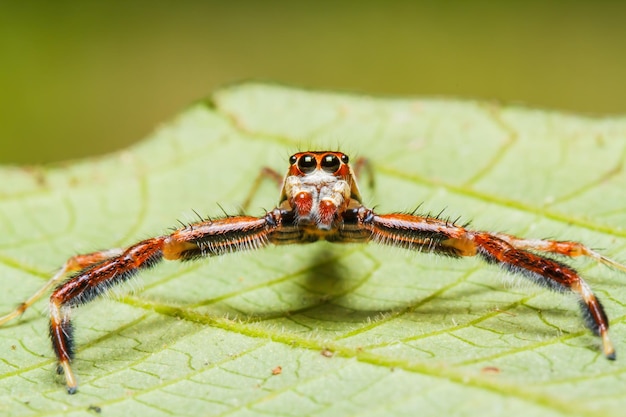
265,174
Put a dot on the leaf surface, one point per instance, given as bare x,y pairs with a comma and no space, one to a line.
353,329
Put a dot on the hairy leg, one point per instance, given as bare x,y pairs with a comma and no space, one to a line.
202,239
75,263
444,237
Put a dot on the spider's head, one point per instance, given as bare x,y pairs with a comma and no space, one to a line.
319,186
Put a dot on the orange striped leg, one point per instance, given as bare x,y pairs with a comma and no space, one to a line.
202,239
566,248
552,274
88,284
440,236
75,263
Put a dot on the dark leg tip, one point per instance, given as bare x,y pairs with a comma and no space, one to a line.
72,390
611,356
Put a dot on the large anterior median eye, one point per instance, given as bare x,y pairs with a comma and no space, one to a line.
307,163
330,163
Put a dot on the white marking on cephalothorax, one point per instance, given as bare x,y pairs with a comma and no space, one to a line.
321,186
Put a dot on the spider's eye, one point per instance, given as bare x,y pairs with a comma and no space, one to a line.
293,159
344,158
330,163
307,163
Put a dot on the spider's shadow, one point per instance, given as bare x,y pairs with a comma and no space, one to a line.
325,273
326,278
323,279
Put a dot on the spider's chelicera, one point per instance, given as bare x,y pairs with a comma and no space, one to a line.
320,200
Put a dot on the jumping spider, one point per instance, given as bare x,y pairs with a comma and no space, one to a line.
320,200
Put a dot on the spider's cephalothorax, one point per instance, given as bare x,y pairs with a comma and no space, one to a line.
320,200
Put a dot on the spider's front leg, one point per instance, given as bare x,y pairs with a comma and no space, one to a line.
439,236
207,238
75,263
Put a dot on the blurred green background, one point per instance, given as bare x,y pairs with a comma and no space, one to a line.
81,78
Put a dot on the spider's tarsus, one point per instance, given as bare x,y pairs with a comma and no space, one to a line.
19,310
607,347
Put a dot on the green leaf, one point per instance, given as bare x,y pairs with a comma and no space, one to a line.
357,330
